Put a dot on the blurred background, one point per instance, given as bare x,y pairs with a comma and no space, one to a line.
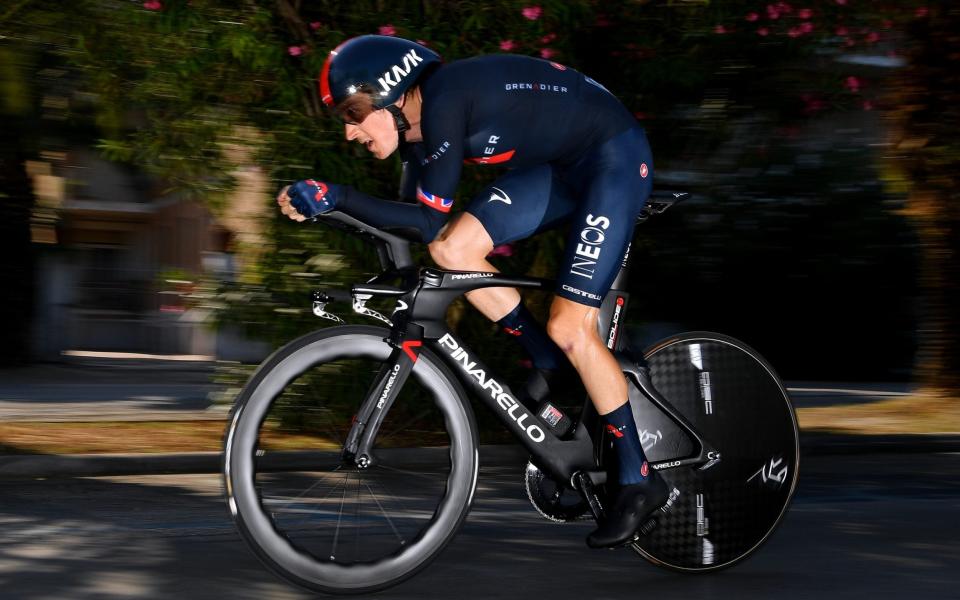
143,142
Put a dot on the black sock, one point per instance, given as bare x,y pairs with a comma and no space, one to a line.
532,337
633,464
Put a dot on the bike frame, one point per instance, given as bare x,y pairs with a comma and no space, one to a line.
419,318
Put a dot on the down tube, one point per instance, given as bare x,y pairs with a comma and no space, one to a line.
496,395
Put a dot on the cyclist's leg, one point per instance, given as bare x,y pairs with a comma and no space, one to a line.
517,205
614,184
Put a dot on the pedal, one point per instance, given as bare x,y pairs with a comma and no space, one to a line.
585,487
652,523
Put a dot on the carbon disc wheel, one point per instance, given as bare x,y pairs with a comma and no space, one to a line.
736,402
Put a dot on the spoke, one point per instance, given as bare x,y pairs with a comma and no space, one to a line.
318,501
407,424
326,418
309,489
356,523
389,520
336,534
430,476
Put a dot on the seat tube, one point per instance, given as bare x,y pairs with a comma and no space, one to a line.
614,306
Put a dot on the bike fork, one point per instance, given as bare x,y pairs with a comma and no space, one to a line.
383,392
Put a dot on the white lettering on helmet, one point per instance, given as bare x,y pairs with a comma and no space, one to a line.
410,60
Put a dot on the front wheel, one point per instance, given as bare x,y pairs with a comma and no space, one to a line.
320,521
734,399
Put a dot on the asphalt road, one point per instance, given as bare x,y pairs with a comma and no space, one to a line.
870,526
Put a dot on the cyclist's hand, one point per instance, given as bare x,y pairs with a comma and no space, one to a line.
283,200
307,199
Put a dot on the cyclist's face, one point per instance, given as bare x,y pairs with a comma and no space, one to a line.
377,132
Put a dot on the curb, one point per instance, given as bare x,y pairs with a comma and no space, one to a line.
100,465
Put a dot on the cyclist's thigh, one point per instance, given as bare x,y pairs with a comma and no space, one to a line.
521,203
614,185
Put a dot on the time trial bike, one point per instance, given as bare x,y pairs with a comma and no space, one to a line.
351,455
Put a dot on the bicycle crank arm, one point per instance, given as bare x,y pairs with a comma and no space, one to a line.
584,482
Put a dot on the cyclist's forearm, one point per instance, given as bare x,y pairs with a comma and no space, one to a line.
387,213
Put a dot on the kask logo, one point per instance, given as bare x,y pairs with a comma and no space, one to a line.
398,72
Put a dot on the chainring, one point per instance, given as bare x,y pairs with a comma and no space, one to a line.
556,502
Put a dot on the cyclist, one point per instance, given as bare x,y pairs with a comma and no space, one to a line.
576,156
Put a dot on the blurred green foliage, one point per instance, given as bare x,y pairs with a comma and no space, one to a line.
730,93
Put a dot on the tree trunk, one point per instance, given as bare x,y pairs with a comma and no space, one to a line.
926,161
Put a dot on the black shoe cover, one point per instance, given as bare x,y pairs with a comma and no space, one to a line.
632,507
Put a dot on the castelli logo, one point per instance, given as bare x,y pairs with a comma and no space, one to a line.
645,469
644,171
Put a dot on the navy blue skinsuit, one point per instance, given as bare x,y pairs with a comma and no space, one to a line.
575,154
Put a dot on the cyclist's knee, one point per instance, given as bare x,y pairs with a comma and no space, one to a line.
573,327
461,245
446,252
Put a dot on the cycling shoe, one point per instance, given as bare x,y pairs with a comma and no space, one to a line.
630,509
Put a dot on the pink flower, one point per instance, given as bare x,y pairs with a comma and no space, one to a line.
763,32
867,105
547,53
794,32
507,45
720,29
784,7
295,50
872,37
921,12
752,17
153,5
502,250
548,38
842,30
806,27
804,13
315,25
772,13
532,12
852,84
387,30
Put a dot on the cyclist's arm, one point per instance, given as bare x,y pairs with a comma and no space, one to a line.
433,166
388,214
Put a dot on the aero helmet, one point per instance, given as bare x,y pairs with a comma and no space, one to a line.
383,66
